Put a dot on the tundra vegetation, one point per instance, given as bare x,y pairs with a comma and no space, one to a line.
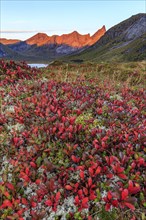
72,141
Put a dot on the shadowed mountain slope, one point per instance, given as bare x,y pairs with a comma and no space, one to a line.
125,41
47,48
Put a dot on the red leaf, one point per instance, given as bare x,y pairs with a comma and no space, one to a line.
10,186
114,203
80,193
76,185
103,144
48,202
54,208
75,159
59,113
54,130
122,175
92,195
130,183
129,205
124,194
38,181
15,140
80,168
98,170
89,181
84,202
107,207
33,164
79,127
109,175
99,111
70,128
25,177
33,204
24,201
70,135
91,171
63,119
6,193
105,138
85,191
82,174
107,160
109,195
20,212
133,189
78,111
74,147
7,203
119,169
72,120
58,195
77,201
141,161
68,187
27,171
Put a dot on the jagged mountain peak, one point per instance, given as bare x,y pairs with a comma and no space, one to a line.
73,39
39,39
95,37
75,33
103,29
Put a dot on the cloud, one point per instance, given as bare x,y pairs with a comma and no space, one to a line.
17,32
32,31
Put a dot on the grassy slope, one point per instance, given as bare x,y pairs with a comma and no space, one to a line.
135,50
132,73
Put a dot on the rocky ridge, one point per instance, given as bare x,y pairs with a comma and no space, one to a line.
8,41
73,39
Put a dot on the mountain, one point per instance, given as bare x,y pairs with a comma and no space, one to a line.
48,48
7,53
8,41
95,37
73,39
125,41
38,39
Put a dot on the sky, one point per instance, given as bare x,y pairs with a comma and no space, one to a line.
21,19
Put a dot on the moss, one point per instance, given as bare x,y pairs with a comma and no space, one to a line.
57,155
107,215
87,119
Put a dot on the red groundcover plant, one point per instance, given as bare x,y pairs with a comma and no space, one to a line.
69,148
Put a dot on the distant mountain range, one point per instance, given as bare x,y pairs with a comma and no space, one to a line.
125,41
8,41
44,47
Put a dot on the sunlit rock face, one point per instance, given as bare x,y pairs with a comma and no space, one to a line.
73,39
8,41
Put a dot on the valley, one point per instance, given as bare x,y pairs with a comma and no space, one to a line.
72,125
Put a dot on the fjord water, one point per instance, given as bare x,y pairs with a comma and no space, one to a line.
38,65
